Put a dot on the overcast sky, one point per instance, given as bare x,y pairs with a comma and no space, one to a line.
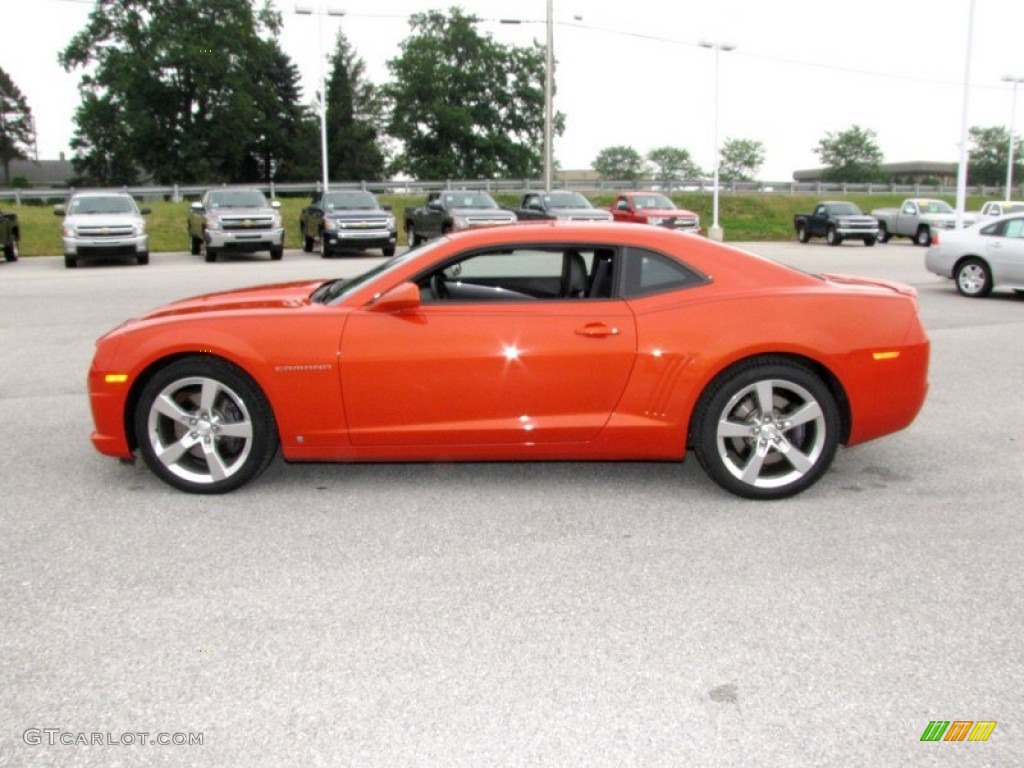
633,73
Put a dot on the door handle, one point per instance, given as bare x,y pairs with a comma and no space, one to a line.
597,330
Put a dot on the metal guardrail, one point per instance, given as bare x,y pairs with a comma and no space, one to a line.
178,192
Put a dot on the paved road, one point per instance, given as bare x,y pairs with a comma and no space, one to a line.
507,614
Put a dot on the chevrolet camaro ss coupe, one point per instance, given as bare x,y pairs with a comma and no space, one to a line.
543,341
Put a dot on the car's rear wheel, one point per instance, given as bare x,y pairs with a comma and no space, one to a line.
973,278
11,250
307,243
832,237
766,429
204,426
410,233
801,234
923,237
883,233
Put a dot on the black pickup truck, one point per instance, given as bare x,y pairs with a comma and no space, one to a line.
451,211
836,220
559,204
347,220
9,235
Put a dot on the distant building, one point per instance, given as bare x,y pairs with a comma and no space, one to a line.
43,173
915,172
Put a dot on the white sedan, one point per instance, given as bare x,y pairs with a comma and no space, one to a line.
987,255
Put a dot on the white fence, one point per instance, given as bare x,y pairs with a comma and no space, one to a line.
178,192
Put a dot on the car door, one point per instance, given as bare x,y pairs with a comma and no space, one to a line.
495,367
1005,252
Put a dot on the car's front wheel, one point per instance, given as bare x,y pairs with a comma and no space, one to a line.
410,233
277,252
204,426
923,237
11,250
766,429
973,278
883,233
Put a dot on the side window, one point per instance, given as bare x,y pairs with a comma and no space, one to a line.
1014,228
649,272
993,229
523,274
909,208
821,211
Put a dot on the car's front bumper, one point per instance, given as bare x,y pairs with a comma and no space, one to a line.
105,246
248,240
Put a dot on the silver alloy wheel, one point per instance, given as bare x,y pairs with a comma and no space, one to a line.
200,430
771,433
972,279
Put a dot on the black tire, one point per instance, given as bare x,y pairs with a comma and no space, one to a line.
307,243
70,262
277,253
869,241
766,456
388,251
209,254
973,278
883,234
923,237
201,451
801,233
832,237
11,250
195,245
325,248
410,233
143,258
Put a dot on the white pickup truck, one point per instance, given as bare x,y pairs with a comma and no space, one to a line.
994,208
916,219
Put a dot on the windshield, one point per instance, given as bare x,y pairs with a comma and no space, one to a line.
844,209
658,202
935,206
566,200
336,290
236,198
469,200
103,204
346,201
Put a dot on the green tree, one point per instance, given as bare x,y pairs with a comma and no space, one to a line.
620,163
989,153
464,106
186,91
851,155
740,159
17,131
355,110
673,164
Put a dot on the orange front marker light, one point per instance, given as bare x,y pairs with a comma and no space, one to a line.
115,378
885,355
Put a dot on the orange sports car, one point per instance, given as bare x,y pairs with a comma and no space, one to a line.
538,342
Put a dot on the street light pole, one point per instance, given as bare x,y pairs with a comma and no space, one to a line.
306,10
1013,116
715,232
549,87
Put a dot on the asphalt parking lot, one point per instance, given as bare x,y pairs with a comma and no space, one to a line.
507,614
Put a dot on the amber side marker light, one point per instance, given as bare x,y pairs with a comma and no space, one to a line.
885,355
116,378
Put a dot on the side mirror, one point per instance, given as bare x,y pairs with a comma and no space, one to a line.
386,207
58,210
403,296
197,206
275,203
145,211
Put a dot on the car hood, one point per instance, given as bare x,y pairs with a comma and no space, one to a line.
102,219
594,213
491,213
358,213
264,297
251,211
666,213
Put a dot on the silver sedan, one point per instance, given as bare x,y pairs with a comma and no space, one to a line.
987,255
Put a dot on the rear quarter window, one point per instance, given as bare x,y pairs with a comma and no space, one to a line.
650,272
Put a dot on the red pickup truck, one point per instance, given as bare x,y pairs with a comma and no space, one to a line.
653,208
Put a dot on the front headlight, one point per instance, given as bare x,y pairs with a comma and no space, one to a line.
460,222
391,222
655,220
211,222
67,231
330,225
276,220
139,228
